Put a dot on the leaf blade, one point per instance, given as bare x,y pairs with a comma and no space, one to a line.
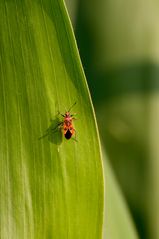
52,190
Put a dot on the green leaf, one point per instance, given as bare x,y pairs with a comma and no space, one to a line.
52,187
118,223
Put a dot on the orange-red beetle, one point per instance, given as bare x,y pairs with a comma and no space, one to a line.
67,125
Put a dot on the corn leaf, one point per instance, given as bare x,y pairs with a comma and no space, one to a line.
49,187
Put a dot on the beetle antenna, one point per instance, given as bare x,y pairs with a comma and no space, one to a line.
72,106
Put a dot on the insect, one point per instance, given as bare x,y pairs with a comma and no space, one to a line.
67,125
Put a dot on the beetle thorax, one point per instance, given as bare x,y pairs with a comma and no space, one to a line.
68,119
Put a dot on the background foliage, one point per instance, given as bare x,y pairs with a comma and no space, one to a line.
119,45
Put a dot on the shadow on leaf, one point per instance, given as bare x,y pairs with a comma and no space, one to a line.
53,133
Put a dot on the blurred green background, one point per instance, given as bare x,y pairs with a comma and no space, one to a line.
118,43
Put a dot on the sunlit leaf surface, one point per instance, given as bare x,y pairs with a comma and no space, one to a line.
52,187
